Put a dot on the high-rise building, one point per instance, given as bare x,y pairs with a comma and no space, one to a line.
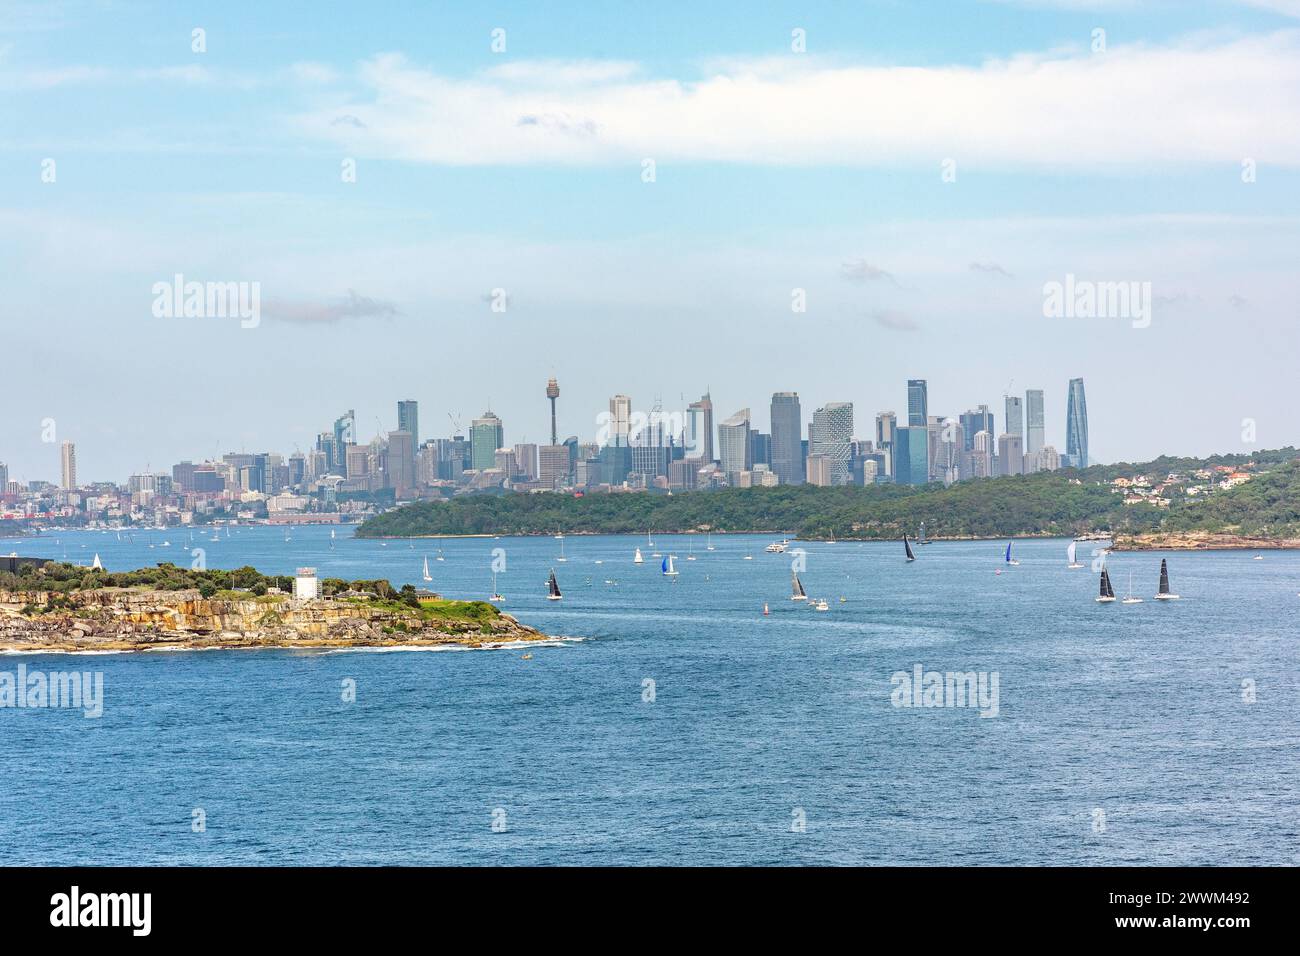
735,448
526,460
830,436
552,393
820,471
401,461
918,403
787,438
1015,417
1076,425
1011,455
978,419
486,435
912,455
699,429
345,433
553,465
69,466
620,421
408,419
4,477
1035,422
886,429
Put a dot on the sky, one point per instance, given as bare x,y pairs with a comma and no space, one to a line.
649,190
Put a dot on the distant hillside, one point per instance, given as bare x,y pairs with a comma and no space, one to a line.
1049,503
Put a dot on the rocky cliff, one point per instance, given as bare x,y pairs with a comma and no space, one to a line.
131,619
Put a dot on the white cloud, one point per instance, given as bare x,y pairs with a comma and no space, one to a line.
1202,100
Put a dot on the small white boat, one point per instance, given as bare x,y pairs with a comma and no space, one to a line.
1069,557
1130,599
821,605
427,575
776,547
561,557
638,559
496,597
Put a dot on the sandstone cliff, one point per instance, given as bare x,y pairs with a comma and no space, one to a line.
132,619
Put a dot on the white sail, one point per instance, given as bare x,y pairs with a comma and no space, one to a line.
1069,554
95,565
427,575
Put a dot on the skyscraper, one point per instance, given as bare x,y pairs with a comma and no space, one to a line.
620,420
552,393
699,429
345,433
486,435
1011,455
912,455
978,419
69,466
918,403
1076,425
1035,428
1015,416
787,438
886,432
735,451
830,436
408,420
401,462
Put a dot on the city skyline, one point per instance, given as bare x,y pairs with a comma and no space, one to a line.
624,422
886,240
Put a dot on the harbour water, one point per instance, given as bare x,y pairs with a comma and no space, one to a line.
685,727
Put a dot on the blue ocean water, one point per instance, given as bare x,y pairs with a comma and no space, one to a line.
1122,735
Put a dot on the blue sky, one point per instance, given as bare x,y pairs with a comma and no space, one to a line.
523,170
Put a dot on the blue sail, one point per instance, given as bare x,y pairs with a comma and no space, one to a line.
1008,550
664,568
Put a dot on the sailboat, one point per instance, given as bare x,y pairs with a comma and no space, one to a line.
908,548
561,558
638,559
95,565
496,595
668,570
690,549
766,612
920,538
331,539
797,587
1009,559
427,575
1130,599
553,588
709,545
1164,593
1069,557
1107,592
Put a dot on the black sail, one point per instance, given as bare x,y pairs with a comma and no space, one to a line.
553,585
910,555
1164,577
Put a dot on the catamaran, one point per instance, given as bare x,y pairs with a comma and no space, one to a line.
1009,559
1069,557
1107,592
908,548
668,570
797,587
553,588
1129,598
427,575
638,559
1164,593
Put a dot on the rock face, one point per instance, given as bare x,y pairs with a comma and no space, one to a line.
1201,541
119,619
